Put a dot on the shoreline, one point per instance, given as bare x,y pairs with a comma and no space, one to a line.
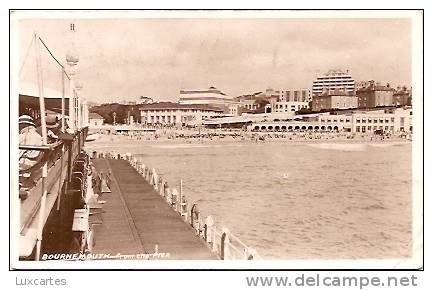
105,139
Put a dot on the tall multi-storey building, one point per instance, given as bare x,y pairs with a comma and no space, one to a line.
333,80
294,95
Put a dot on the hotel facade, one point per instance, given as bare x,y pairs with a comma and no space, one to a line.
333,80
175,114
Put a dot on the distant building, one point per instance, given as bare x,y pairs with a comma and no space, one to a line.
362,85
144,100
375,95
388,120
95,120
168,113
334,99
394,120
402,97
333,80
211,97
295,95
249,102
288,107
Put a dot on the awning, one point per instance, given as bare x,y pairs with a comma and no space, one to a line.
29,98
52,104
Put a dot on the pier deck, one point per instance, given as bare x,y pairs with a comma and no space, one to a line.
135,218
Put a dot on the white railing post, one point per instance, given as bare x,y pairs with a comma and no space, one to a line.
161,187
208,226
225,244
174,196
214,244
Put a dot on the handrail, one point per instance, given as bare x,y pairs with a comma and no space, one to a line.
231,247
40,147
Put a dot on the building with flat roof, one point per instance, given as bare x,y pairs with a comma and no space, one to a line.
294,95
288,107
387,120
394,120
169,114
333,80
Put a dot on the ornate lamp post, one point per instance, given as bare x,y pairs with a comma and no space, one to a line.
72,60
78,87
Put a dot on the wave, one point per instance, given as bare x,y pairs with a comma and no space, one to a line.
340,147
182,146
384,145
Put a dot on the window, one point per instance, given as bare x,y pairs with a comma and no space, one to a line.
357,129
375,121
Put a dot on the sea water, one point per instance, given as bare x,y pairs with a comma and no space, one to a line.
294,200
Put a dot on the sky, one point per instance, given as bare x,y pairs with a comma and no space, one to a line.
122,59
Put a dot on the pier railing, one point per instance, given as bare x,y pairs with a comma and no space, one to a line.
219,239
35,202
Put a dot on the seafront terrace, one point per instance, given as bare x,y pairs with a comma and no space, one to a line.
296,126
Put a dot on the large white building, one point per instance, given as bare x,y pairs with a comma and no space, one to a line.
288,107
167,113
389,120
210,96
334,80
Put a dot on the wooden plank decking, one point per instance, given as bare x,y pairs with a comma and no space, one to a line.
136,218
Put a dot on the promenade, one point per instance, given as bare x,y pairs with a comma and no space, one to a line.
136,219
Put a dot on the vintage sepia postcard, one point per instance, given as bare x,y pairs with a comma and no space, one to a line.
216,139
